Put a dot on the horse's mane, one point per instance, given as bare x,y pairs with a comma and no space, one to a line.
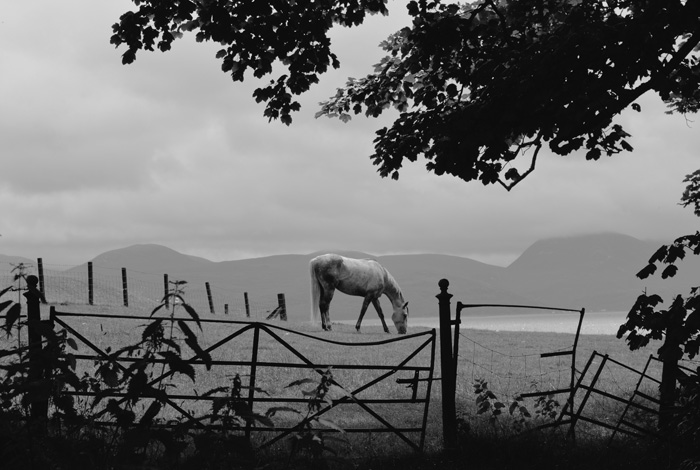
392,282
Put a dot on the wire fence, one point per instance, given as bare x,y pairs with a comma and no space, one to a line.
113,287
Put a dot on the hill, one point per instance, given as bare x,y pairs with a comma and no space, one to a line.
593,271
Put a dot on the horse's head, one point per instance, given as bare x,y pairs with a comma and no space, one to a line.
400,317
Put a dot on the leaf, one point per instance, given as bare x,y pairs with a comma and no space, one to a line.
5,304
177,364
296,383
5,290
153,331
215,390
157,308
647,271
338,390
191,341
670,271
193,313
151,412
12,316
72,344
330,424
513,407
281,409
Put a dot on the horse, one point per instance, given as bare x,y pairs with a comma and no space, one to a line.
360,277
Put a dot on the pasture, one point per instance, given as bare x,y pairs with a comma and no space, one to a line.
509,361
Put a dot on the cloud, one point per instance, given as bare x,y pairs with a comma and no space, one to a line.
168,150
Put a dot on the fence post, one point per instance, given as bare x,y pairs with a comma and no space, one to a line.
211,302
670,354
247,305
447,369
91,287
281,301
40,269
165,291
39,405
125,290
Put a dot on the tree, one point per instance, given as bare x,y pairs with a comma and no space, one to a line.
479,86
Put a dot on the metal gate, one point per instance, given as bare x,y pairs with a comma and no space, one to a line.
264,357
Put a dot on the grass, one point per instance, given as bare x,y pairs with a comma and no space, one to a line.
511,362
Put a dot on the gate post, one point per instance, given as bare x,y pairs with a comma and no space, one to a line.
670,354
39,404
447,369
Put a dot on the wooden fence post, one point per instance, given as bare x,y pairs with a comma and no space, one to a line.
211,301
40,269
447,369
91,287
165,291
247,305
125,290
281,301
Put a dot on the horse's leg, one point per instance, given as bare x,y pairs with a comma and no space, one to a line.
324,305
378,308
365,304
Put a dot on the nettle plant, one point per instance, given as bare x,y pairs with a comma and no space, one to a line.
158,359
13,310
312,439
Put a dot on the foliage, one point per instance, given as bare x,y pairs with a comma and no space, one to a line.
312,438
646,320
487,403
687,419
255,35
479,85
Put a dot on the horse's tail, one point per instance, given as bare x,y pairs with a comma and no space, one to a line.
315,295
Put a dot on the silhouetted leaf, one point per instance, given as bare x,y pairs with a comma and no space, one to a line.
647,271
272,411
151,413
177,364
5,304
299,382
158,308
669,271
12,315
191,341
193,313
153,331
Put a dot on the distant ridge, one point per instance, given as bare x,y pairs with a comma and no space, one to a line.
596,272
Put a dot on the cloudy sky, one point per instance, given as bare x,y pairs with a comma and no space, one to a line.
98,156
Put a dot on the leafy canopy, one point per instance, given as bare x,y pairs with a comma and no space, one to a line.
477,85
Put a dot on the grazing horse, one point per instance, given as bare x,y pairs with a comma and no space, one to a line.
361,277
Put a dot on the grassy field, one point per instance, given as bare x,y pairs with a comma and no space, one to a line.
510,362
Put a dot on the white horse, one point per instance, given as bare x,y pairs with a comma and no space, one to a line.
361,277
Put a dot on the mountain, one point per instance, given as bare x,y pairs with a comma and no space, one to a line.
596,272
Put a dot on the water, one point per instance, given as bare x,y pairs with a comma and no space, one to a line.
594,323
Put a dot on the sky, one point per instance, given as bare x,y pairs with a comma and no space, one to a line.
98,156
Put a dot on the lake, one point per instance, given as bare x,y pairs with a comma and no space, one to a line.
594,323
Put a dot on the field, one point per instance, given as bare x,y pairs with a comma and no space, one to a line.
510,362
